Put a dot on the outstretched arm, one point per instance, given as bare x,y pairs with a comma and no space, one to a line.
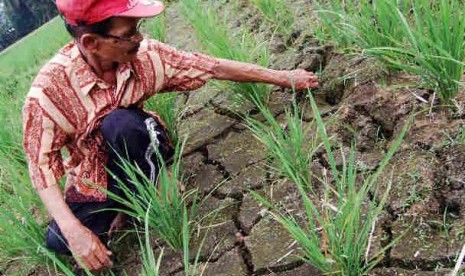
246,72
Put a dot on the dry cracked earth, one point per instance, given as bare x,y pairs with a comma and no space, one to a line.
360,101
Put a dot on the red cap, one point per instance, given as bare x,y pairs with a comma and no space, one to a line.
93,11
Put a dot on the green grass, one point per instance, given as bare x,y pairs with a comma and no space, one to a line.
363,24
156,27
278,13
166,204
169,213
164,104
150,265
220,41
336,234
27,55
414,36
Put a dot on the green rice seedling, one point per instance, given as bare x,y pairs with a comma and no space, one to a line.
219,41
419,37
337,231
362,24
167,203
278,13
164,104
150,265
156,27
290,147
435,49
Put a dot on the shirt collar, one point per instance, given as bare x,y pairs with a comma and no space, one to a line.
85,77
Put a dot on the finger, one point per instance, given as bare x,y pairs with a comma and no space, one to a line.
103,256
313,78
92,263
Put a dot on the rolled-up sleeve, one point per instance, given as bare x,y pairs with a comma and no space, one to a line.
42,142
183,70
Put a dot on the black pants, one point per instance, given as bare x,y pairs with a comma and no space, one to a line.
128,133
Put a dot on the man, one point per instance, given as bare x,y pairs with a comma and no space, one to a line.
88,100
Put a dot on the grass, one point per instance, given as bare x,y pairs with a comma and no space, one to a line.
166,203
278,13
337,231
414,36
150,265
363,24
290,149
28,54
218,40
164,104
156,27
166,211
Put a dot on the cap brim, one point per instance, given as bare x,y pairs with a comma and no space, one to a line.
144,8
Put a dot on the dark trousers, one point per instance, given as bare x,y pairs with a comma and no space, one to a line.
128,133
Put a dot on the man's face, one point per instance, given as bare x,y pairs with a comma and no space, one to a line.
122,42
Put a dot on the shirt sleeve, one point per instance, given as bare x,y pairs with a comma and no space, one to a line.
42,142
183,70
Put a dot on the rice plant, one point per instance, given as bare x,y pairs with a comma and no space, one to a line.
363,24
337,233
278,13
164,200
156,27
150,265
435,50
420,37
290,148
164,104
219,41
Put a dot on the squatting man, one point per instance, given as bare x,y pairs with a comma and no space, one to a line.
89,100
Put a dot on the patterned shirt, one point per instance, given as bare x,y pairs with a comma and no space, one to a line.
67,101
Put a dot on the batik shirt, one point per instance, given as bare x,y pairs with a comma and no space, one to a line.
67,101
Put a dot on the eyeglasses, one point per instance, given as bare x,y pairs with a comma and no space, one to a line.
131,38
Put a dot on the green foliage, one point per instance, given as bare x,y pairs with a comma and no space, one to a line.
27,55
415,36
345,216
435,49
364,24
164,202
291,148
150,265
164,104
278,13
156,27
218,40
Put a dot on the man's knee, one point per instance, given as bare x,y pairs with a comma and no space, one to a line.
122,124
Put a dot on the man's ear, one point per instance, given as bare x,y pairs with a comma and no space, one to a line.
90,42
